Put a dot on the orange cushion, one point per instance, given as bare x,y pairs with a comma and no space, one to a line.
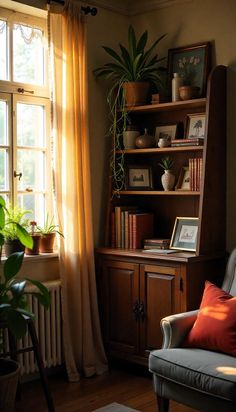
215,326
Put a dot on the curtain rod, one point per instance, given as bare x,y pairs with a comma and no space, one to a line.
87,10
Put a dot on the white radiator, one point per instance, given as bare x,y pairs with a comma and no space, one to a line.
48,329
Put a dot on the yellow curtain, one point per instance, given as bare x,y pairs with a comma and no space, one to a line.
81,329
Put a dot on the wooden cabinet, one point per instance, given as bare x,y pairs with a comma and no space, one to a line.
137,289
136,292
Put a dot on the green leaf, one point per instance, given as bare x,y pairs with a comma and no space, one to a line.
2,202
2,217
17,289
2,240
17,323
142,42
45,296
150,50
132,43
112,53
24,236
12,265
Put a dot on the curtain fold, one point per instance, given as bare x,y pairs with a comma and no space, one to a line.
83,346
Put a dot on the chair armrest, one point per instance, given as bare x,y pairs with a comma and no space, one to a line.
176,327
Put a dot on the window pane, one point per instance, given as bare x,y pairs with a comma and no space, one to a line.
32,166
3,50
30,125
3,123
28,55
34,203
4,173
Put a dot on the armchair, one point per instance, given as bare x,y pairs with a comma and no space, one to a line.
202,379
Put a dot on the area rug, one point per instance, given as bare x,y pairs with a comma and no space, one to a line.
115,407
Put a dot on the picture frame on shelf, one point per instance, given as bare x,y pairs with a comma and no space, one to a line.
192,63
184,235
195,126
139,177
166,132
183,182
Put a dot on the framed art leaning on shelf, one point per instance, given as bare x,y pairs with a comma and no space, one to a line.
184,236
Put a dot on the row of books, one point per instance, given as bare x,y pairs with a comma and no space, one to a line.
195,141
195,173
130,226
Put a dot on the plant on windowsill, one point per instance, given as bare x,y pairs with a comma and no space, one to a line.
167,179
48,233
36,237
14,231
14,310
131,72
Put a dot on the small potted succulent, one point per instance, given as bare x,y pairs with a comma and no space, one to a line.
167,179
48,233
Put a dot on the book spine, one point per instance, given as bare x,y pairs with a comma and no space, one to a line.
113,230
130,231
122,229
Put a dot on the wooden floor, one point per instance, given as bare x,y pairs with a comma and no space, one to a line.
133,389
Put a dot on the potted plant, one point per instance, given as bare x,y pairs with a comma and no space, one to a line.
167,179
131,72
14,310
48,233
14,230
36,237
134,68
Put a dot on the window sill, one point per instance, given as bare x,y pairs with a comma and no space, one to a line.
41,256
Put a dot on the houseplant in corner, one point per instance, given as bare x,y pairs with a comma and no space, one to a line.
14,310
131,73
48,233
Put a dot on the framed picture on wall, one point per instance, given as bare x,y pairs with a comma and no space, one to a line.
192,63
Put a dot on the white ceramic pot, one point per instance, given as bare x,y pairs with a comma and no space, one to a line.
129,137
168,180
163,142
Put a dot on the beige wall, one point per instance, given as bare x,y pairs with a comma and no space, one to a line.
186,23
108,29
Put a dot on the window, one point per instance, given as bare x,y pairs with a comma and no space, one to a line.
25,172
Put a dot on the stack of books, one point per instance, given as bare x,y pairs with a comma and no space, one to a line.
156,243
130,226
195,173
195,141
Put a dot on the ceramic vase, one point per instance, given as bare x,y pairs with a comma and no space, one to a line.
189,92
145,141
129,137
168,180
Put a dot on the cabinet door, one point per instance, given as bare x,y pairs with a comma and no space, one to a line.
119,300
159,291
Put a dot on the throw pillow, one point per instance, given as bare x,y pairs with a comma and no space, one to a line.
215,326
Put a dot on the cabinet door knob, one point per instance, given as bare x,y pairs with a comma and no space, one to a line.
136,309
141,310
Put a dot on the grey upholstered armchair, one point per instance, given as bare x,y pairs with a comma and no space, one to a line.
202,379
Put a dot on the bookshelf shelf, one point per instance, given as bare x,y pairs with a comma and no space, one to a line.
158,193
162,150
169,106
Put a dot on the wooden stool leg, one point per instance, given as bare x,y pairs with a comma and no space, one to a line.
39,360
13,355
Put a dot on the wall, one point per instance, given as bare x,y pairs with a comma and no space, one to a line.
108,29
194,22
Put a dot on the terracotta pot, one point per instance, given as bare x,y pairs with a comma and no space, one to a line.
189,92
35,249
12,246
9,375
136,93
47,242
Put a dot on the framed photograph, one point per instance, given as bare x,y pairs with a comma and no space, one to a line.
139,177
167,132
184,236
192,63
184,179
195,126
